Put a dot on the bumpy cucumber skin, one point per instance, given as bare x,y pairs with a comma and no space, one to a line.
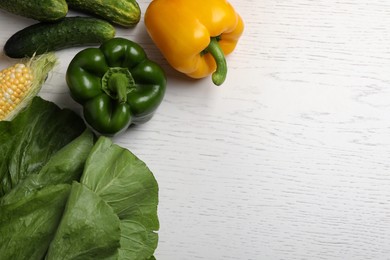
41,10
126,13
69,32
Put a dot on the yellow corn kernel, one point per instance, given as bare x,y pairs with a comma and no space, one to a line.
14,83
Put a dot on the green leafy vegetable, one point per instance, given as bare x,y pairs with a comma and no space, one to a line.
89,228
117,185
28,226
123,181
37,163
32,138
137,241
64,167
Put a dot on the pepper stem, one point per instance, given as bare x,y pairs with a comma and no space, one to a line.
215,50
117,83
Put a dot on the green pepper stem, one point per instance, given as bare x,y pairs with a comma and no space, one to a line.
215,50
117,83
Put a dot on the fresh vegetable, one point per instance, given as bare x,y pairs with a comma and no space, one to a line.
37,166
41,10
119,204
32,138
28,225
21,82
40,199
64,166
126,13
56,184
116,84
196,46
68,32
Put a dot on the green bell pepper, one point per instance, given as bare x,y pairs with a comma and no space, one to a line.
116,84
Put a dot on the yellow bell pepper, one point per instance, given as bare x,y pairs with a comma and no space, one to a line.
195,35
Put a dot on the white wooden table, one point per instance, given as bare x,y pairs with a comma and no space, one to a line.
290,158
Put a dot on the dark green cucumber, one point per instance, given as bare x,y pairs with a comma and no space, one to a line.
41,10
126,13
69,32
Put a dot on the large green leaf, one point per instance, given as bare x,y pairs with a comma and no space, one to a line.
89,228
137,241
30,140
28,226
123,181
64,167
129,187
117,190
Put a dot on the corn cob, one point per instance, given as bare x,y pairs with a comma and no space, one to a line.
21,82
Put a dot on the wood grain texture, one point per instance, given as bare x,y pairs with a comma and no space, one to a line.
289,159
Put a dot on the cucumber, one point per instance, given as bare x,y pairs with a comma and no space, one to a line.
69,32
126,13
41,10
